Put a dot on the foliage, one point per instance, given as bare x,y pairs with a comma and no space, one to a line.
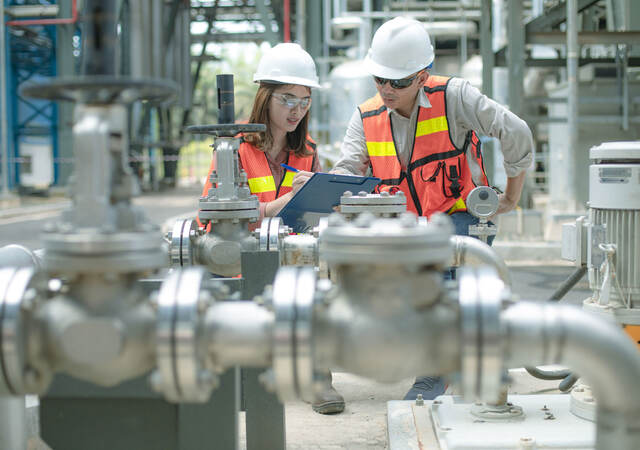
241,60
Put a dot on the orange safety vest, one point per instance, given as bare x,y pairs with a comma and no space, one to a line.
437,178
259,176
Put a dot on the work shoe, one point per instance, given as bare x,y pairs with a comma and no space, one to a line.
429,387
329,401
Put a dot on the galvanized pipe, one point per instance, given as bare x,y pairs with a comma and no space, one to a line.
572,103
539,334
469,250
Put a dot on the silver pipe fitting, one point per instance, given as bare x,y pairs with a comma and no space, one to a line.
537,334
220,250
19,256
471,251
239,333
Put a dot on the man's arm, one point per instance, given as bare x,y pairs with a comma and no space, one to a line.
475,111
354,158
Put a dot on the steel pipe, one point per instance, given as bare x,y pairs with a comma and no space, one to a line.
239,334
19,256
542,334
471,251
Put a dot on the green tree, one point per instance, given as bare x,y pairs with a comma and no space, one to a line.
241,60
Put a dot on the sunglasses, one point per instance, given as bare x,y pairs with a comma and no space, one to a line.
397,84
291,101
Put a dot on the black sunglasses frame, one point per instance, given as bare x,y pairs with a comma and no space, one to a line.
402,83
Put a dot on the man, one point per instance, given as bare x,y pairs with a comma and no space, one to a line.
418,134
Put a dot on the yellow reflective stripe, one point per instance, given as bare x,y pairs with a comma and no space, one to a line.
262,184
381,149
288,178
457,206
431,126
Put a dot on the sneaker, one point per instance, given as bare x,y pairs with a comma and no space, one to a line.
328,401
429,387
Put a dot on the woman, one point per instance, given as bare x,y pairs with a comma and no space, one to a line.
286,74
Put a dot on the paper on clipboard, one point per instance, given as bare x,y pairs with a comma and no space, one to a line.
318,197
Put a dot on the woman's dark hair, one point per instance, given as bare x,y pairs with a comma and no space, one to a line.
296,139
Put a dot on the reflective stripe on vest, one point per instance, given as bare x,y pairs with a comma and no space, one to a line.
437,178
259,176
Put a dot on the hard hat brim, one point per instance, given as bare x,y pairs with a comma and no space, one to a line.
390,73
287,80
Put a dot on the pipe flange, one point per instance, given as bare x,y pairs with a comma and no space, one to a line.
180,248
370,240
213,204
480,294
383,204
182,375
270,233
13,286
293,296
251,215
583,403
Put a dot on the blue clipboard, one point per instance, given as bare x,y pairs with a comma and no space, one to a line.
318,196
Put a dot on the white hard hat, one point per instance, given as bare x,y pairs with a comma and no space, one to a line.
399,48
289,64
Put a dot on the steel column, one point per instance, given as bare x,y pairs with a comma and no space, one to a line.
64,69
515,56
572,102
4,144
486,48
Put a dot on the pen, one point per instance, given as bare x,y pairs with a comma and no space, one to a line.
292,169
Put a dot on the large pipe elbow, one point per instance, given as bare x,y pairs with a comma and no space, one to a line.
19,256
471,251
537,334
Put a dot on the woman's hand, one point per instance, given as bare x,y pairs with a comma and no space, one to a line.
299,179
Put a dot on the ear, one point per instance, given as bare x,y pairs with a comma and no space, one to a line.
424,76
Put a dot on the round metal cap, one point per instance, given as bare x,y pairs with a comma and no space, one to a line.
613,151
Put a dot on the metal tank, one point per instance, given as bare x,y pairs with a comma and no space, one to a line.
351,85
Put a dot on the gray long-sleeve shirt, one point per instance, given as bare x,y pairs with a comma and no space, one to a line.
467,109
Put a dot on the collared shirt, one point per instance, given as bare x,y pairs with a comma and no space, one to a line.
467,109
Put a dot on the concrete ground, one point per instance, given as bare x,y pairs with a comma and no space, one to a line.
362,425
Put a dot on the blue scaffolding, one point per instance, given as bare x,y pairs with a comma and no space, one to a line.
31,56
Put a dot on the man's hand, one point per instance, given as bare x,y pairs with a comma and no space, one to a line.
511,196
299,179
505,204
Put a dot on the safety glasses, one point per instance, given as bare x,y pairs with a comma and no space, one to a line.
397,84
291,101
